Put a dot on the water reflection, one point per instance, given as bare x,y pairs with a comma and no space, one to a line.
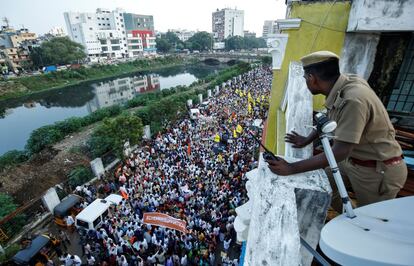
121,90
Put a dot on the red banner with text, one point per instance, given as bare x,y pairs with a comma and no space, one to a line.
160,219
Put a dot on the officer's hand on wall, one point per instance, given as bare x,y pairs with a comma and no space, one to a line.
297,140
280,166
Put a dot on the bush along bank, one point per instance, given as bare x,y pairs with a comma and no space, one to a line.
156,109
26,85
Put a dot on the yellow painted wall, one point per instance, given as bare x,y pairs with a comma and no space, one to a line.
310,37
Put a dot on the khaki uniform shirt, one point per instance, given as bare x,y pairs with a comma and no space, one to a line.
362,119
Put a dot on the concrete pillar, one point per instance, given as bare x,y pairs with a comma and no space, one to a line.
200,97
299,108
280,210
97,167
147,129
209,94
190,103
127,149
50,199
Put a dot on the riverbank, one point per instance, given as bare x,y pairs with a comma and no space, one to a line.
23,86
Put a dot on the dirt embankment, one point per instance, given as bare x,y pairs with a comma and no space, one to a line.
46,169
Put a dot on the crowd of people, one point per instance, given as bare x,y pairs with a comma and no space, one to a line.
195,172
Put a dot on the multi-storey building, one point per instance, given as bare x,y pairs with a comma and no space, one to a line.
227,23
15,46
101,33
249,34
57,32
140,34
270,27
110,33
183,35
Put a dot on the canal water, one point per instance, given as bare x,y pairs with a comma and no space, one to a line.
19,117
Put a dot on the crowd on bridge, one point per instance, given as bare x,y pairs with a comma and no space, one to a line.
195,172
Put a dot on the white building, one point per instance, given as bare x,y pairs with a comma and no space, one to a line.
270,27
227,23
183,35
102,33
57,32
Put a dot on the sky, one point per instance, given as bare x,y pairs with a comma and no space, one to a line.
40,16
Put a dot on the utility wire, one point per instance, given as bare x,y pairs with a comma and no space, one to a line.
324,27
321,25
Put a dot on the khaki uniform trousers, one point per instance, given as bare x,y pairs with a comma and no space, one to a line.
369,184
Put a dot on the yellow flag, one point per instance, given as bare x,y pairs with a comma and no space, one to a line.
239,129
234,133
249,97
217,138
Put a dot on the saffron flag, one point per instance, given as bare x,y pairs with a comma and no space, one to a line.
123,192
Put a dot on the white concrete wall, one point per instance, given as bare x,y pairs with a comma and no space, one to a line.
50,199
381,15
97,167
358,53
299,110
280,210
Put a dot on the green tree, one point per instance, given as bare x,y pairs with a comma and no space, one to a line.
7,206
79,176
201,41
266,60
12,157
43,137
163,45
115,132
172,38
57,51
238,42
235,43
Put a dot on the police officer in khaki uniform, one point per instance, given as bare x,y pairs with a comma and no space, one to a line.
369,157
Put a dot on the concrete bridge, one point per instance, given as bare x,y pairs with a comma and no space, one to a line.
228,57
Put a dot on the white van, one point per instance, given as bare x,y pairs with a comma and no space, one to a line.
114,199
93,215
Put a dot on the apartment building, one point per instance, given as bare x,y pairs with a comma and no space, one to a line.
227,22
109,34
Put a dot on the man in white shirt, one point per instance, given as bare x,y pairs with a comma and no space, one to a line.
70,223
